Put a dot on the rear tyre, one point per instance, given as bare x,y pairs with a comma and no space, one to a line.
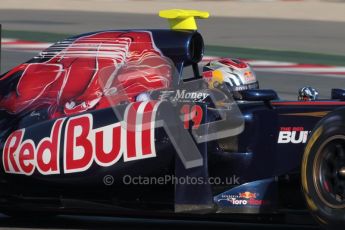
323,172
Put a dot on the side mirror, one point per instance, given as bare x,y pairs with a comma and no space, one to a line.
338,94
258,95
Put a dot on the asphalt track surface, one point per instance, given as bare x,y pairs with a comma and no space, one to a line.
291,35
258,33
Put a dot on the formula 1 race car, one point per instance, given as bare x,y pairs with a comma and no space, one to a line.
111,122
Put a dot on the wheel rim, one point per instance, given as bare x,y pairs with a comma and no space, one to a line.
329,172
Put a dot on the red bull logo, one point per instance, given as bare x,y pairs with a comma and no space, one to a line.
131,139
247,195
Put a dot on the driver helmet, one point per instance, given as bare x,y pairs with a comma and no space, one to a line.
235,74
307,94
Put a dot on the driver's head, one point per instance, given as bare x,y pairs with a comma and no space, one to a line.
307,94
233,73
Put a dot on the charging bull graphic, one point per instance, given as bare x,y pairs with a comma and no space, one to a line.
76,75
